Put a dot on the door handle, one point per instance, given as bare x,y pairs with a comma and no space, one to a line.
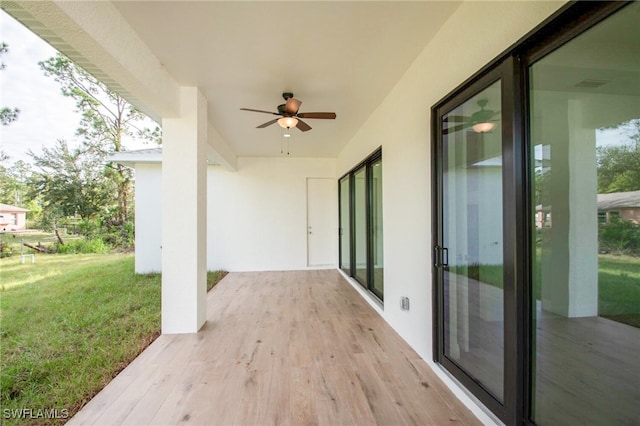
441,257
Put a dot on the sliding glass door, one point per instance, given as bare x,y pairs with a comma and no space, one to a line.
470,244
472,239
536,223
360,225
361,243
585,148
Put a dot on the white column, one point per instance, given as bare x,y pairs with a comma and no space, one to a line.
184,200
583,232
570,255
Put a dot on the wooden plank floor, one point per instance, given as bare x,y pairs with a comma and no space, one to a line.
299,348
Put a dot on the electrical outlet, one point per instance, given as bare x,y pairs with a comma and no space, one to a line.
404,303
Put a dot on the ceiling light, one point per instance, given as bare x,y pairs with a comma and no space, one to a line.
288,122
482,127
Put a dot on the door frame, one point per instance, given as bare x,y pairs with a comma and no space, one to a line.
500,72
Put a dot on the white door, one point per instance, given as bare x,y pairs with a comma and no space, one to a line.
322,223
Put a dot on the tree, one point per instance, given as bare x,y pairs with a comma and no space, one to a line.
106,119
7,115
71,182
13,181
618,168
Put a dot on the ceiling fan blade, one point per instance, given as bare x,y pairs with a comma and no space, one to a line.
303,126
456,118
292,106
456,128
259,110
268,123
325,115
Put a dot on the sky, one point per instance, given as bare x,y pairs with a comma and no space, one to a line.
45,114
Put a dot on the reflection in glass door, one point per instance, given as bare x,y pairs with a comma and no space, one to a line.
585,146
472,254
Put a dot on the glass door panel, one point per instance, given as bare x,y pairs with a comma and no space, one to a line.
472,239
345,226
585,141
377,258
360,225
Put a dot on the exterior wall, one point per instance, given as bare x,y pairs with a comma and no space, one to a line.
631,214
258,215
149,218
401,125
14,220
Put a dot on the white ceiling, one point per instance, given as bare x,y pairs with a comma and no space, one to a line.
334,56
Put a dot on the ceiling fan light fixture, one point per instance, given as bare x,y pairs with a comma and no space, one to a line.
483,127
288,122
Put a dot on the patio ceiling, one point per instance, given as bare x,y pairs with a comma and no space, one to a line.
334,56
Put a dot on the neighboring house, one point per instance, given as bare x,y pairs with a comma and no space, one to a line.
616,205
425,94
543,216
12,218
622,205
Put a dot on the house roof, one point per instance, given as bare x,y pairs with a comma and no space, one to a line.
12,209
630,199
149,156
130,158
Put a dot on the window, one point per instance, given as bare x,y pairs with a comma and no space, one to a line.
602,217
361,243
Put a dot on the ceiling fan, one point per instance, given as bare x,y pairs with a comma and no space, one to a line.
480,121
290,117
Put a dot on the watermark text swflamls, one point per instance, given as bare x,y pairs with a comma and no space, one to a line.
31,413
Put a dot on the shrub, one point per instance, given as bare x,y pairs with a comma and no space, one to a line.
5,249
83,245
619,237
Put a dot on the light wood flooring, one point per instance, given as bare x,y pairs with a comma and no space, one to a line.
587,370
300,348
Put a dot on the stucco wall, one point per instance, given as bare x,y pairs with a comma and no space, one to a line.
149,218
472,37
257,216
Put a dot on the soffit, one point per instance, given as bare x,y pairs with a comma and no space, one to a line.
334,56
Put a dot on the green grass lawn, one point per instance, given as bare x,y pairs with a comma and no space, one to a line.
619,288
618,285
47,239
69,324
